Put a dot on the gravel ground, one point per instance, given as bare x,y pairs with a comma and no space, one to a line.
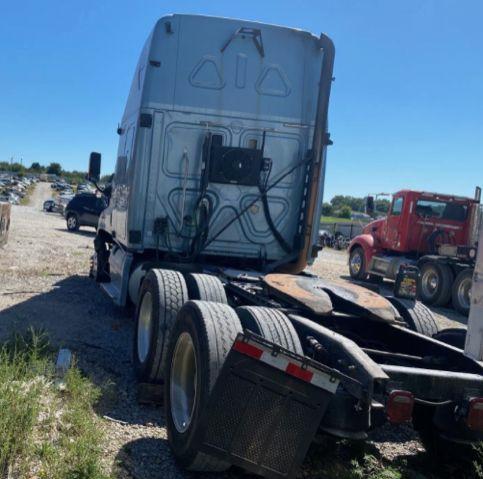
44,282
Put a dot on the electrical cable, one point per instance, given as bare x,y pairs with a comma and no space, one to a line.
257,198
266,207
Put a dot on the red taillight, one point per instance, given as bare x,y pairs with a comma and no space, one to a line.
475,414
248,349
399,407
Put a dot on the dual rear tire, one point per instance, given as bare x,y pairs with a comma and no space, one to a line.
439,286
200,341
436,282
184,343
461,291
162,294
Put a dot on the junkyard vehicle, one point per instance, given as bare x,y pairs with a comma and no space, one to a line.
49,205
212,219
4,222
83,210
436,232
341,242
326,239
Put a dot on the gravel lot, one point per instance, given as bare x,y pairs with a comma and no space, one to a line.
44,282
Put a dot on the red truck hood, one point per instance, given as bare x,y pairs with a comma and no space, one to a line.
368,229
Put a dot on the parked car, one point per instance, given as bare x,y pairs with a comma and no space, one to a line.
49,205
84,210
62,201
326,238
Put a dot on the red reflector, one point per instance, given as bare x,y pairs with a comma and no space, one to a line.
399,407
475,414
299,372
248,349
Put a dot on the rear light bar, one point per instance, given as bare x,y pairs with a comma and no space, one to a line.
399,406
474,420
288,364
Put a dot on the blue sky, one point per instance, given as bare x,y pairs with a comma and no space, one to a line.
406,109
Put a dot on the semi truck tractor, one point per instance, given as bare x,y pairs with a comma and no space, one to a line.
212,219
436,232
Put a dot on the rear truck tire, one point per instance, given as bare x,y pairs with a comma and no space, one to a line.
435,283
417,316
272,325
205,287
72,222
200,340
453,336
443,451
163,292
461,291
357,264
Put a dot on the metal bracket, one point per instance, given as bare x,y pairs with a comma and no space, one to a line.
256,35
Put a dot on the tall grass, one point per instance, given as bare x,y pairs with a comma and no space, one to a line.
46,431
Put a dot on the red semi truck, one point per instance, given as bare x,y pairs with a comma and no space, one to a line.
436,232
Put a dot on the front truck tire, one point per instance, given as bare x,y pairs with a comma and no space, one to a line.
162,294
272,325
357,264
436,283
460,294
200,341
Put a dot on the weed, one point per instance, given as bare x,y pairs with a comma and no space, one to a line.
45,431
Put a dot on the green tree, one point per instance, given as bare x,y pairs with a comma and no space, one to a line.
382,206
36,167
108,178
345,212
355,204
327,209
54,169
17,168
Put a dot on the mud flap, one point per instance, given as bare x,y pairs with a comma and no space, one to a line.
265,408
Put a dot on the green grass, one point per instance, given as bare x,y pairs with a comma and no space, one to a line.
26,199
335,219
46,431
343,459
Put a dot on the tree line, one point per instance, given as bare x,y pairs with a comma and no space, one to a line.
342,206
53,168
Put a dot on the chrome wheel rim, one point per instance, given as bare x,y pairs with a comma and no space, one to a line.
71,222
145,326
464,293
356,263
183,383
429,283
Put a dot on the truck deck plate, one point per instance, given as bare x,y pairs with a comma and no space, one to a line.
321,297
301,290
